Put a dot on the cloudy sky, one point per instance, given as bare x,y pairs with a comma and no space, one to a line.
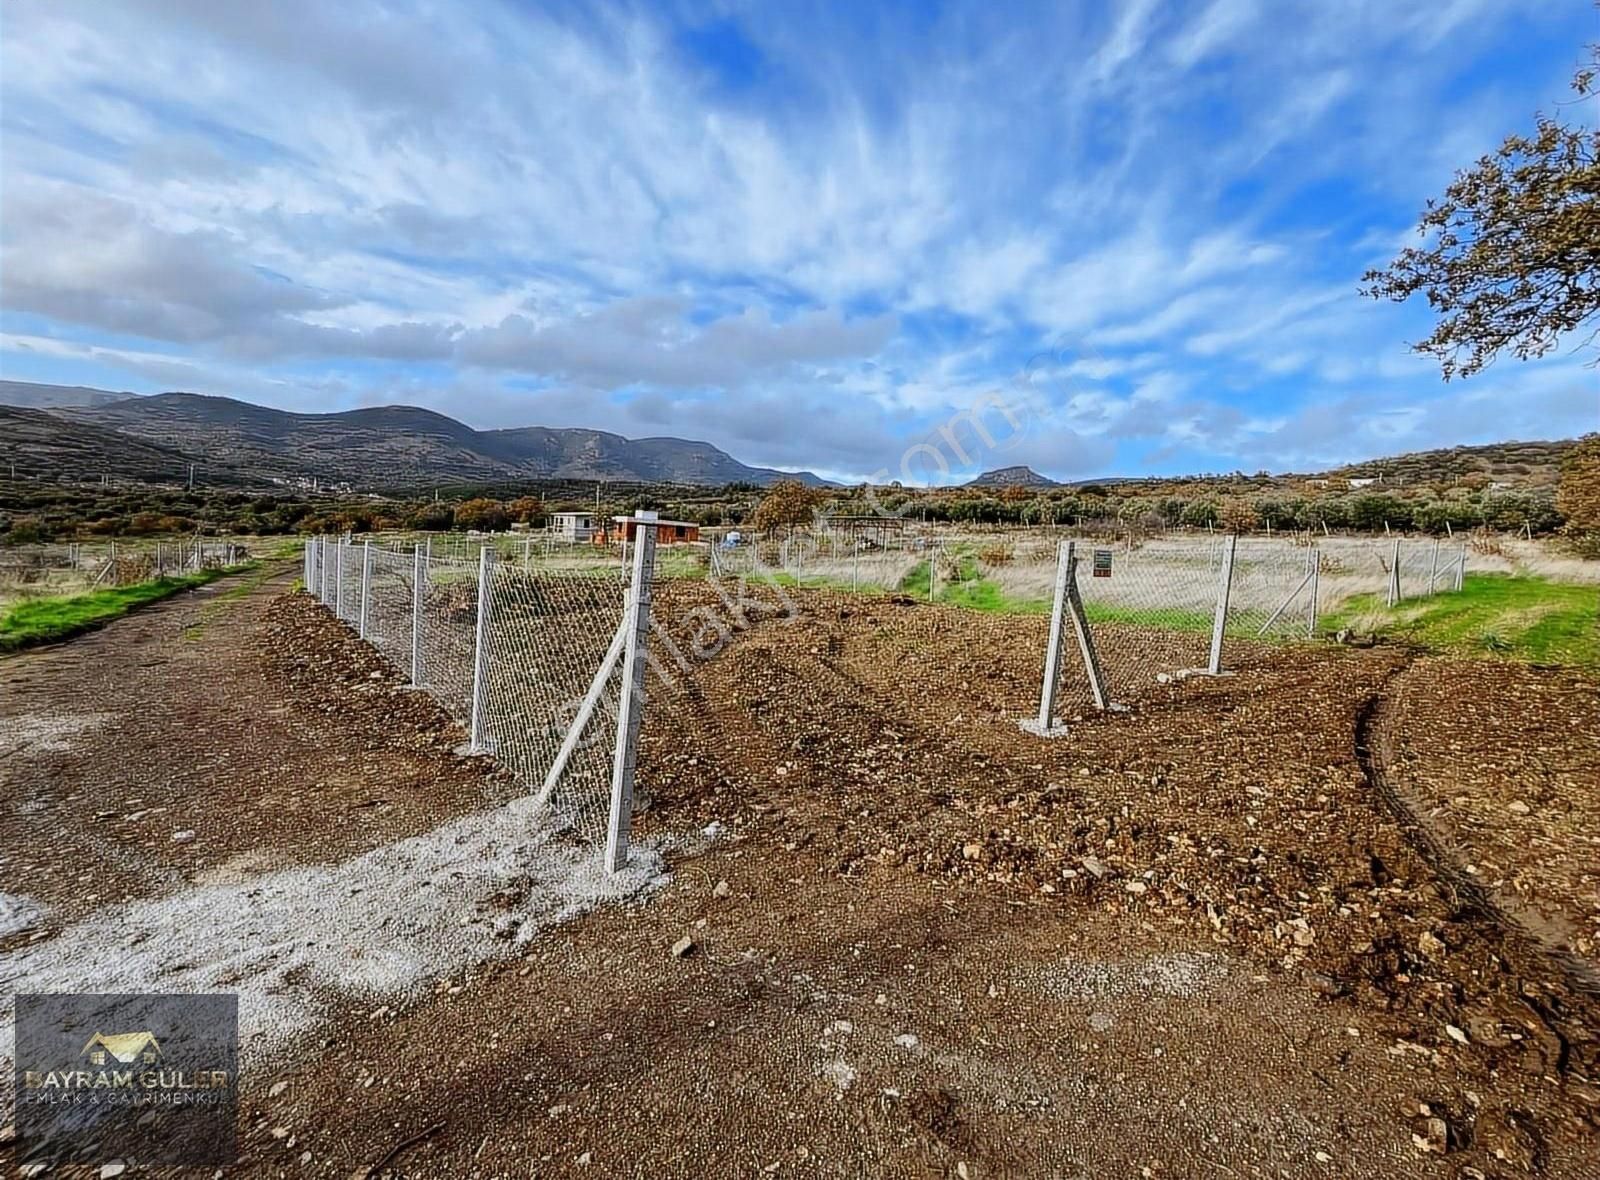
811,234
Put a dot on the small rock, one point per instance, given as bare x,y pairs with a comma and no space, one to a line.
722,889
280,1132
1518,807
114,1168
683,947
1097,868
305,1157
1435,1136
276,1089
586,1158
1431,944
183,837
1457,1035
1136,887
907,1041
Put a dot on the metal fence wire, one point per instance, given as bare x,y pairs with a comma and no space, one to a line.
1129,615
530,661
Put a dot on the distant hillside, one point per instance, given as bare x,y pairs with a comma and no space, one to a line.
41,443
29,395
1012,477
384,447
1510,462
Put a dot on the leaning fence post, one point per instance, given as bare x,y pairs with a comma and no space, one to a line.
1316,573
419,573
1393,596
480,649
630,708
1219,621
1461,569
1052,654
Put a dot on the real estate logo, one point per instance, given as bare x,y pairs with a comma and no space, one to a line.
124,1047
165,1092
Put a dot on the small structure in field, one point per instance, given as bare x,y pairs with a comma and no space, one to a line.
668,532
575,527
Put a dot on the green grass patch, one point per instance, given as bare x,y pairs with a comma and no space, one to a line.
1494,615
50,620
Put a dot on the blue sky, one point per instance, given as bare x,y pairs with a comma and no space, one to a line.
812,234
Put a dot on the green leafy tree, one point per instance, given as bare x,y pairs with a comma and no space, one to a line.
1512,260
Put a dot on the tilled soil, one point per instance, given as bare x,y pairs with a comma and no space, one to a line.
1506,760
1188,940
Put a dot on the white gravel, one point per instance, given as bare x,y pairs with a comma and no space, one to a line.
1184,975
295,942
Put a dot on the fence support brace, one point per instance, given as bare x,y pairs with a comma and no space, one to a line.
1052,655
630,708
1080,624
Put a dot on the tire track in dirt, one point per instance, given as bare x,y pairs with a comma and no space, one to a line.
1376,731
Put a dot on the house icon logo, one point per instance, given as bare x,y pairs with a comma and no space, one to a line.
126,1048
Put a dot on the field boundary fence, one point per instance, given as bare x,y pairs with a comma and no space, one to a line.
114,564
1157,612
544,669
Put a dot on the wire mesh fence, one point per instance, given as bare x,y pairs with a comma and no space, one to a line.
530,662
73,567
1126,617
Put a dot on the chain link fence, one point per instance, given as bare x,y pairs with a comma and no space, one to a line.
531,661
1127,617
79,566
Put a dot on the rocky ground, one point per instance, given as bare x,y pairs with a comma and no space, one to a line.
901,937
1505,760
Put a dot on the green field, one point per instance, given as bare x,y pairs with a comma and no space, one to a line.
49,620
1522,618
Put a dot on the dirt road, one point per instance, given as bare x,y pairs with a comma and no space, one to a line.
924,943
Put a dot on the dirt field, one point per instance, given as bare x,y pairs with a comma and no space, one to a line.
1209,937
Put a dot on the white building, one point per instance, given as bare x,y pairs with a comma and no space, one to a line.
573,526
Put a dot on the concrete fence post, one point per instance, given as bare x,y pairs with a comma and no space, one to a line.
1433,570
1316,576
1392,598
1219,620
419,578
630,709
366,587
1461,569
338,579
480,650
1052,653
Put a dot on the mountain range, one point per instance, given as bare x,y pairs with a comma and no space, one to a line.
67,430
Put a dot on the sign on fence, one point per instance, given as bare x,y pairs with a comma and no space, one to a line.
1102,563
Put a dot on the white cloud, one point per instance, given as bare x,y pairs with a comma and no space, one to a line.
884,222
